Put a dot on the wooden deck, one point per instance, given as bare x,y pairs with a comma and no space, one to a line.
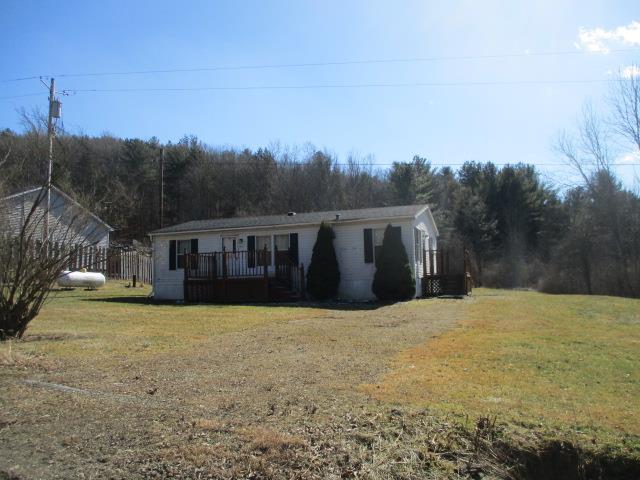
445,273
243,276
259,276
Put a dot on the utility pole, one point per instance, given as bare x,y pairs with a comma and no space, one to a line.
161,187
54,112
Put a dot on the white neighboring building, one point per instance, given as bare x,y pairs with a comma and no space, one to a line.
65,212
358,235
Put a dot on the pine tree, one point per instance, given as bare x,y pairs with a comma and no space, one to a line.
393,279
323,276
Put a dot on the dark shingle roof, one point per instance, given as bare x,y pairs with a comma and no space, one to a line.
402,211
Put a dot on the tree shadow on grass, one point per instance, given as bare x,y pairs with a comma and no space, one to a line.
138,299
143,300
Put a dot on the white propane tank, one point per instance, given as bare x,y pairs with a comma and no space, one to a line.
81,279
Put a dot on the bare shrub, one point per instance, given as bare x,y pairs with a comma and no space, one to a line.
38,240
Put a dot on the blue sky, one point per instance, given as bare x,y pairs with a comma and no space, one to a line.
446,124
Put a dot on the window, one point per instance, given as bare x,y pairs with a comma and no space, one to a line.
184,247
417,245
262,242
373,238
282,242
282,247
378,237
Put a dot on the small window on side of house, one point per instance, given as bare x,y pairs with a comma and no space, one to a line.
418,245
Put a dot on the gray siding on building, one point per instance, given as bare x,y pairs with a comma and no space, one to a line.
68,221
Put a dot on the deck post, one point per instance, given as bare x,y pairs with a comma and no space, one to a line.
265,271
432,258
186,274
224,265
423,277
424,262
301,279
224,273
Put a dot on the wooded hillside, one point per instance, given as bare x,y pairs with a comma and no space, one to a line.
520,230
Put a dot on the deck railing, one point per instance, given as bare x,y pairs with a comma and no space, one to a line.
288,273
446,272
212,266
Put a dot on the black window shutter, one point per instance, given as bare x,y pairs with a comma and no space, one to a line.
193,260
368,245
172,254
251,247
293,248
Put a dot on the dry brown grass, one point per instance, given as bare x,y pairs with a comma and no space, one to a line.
211,425
235,392
269,440
178,391
10,356
200,454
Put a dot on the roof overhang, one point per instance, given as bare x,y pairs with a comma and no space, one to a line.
286,225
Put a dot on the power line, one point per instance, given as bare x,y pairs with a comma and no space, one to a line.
21,96
317,86
216,68
332,86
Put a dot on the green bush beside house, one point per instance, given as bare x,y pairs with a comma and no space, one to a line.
393,280
323,276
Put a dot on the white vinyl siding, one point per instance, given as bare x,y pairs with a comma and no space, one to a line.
356,276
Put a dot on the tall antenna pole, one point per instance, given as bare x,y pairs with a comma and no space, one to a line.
161,187
50,133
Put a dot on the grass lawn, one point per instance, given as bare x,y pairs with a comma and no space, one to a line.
113,321
567,364
317,391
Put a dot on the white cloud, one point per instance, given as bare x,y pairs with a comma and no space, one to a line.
629,158
599,40
630,71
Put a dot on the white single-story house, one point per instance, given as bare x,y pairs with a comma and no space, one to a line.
69,221
272,247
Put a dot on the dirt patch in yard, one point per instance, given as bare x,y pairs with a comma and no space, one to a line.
274,401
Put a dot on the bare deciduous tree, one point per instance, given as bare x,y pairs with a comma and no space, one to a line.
589,150
625,105
30,264
603,235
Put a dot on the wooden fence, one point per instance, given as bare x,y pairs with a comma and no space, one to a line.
114,263
124,264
